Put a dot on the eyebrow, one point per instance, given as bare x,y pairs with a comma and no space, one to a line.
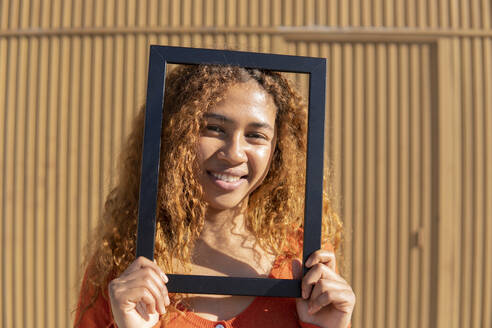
218,117
258,125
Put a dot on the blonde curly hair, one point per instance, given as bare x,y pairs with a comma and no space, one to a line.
275,210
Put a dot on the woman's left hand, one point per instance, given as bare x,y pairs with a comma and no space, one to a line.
327,299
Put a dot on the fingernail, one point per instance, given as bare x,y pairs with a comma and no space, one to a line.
165,278
168,301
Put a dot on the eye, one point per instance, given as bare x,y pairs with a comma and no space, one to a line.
256,135
214,128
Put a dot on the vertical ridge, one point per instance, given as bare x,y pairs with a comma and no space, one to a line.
8,287
357,169
29,185
478,174
382,196
370,181
487,287
392,163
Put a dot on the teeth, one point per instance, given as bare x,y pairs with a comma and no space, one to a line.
225,177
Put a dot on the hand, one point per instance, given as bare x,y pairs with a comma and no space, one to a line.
139,295
327,299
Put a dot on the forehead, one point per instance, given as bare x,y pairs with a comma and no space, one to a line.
248,93
245,101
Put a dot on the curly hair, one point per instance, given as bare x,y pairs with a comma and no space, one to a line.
274,210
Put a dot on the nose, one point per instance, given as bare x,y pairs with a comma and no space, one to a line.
233,151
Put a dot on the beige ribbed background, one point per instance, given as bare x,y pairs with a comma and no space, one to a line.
409,139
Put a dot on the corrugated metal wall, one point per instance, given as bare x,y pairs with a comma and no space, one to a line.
381,143
473,82
409,139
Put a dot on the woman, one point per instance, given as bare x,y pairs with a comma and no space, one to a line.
231,175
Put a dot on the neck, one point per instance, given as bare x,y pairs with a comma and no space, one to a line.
226,247
223,226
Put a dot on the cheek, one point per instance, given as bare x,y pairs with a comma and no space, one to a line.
206,149
262,162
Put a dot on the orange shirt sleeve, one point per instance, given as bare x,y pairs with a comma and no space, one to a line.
95,315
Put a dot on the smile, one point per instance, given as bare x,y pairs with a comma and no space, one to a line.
225,177
227,181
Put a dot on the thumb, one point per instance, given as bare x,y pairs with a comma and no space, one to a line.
297,269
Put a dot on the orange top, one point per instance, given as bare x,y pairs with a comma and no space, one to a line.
262,312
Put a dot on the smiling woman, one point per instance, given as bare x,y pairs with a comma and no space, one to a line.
230,202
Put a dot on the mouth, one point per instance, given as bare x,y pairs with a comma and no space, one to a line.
227,181
226,177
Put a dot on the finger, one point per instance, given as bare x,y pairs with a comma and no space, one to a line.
324,285
150,305
336,293
140,295
167,300
144,273
147,278
296,269
317,272
310,279
136,265
322,256
160,295
148,273
143,310
142,262
165,295
161,273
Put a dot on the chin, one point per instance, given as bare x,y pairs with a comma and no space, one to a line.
224,205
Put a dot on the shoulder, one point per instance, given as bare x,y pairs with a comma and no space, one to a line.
93,306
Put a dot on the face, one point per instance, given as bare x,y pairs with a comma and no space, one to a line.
236,145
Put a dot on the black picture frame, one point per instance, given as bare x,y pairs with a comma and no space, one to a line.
159,57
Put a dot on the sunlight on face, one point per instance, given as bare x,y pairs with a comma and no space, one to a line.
236,145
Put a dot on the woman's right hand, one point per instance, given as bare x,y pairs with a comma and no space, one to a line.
139,295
